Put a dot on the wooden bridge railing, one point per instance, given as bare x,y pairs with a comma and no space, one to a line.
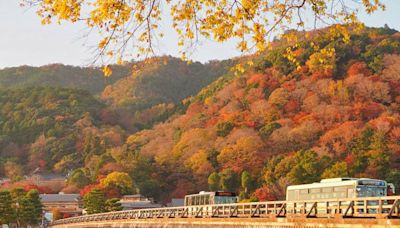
373,207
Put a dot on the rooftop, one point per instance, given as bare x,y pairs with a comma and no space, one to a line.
59,197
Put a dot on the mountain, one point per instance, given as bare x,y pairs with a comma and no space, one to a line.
40,126
325,104
156,88
334,112
58,75
67,126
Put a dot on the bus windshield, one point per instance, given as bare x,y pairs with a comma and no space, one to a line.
370,191
225,199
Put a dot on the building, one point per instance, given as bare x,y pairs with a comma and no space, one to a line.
137,201
67,204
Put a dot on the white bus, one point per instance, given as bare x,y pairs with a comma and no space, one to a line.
210,198
335,188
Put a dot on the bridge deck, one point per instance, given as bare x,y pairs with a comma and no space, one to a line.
367,212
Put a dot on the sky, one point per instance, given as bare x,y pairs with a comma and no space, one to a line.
24,41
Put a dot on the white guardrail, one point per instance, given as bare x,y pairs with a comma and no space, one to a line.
373,207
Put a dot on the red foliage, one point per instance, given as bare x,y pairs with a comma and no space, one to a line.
257,79
395,87
349,160
300,117
211,122
255,94
88,188
29,187
371,111
265,194
320,74
289,86
291,106
358,68
397,99
194,108
375,78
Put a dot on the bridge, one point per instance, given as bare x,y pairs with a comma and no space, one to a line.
349,212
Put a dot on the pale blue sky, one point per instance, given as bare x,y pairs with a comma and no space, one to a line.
24,41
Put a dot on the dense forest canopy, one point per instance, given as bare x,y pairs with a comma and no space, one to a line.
331,111
58,75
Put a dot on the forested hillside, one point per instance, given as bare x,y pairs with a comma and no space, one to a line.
334,112
58,75
43,127
66,126
329,108
155,88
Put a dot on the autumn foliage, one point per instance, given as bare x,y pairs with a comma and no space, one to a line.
336,114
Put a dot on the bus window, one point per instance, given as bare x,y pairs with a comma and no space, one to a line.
326,190
367,191
340,189
315,190
225,199
304,191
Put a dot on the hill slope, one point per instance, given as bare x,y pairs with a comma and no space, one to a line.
333,110
337,114
58,75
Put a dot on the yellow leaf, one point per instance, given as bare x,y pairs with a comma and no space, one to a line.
107,71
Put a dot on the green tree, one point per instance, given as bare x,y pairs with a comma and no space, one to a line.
224,128
359,148
246,182
78,178
229,180
267,130
339,169
18,195
95,201
26,212
308,167
379,155
394,177
34,200
7,211
150,188
113,205
214,181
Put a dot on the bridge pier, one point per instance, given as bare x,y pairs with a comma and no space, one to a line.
239,223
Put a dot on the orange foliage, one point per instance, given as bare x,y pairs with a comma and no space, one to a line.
337,139
320,74
291,106
245,154
259,79
88,188
290,86
358,68
265,194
